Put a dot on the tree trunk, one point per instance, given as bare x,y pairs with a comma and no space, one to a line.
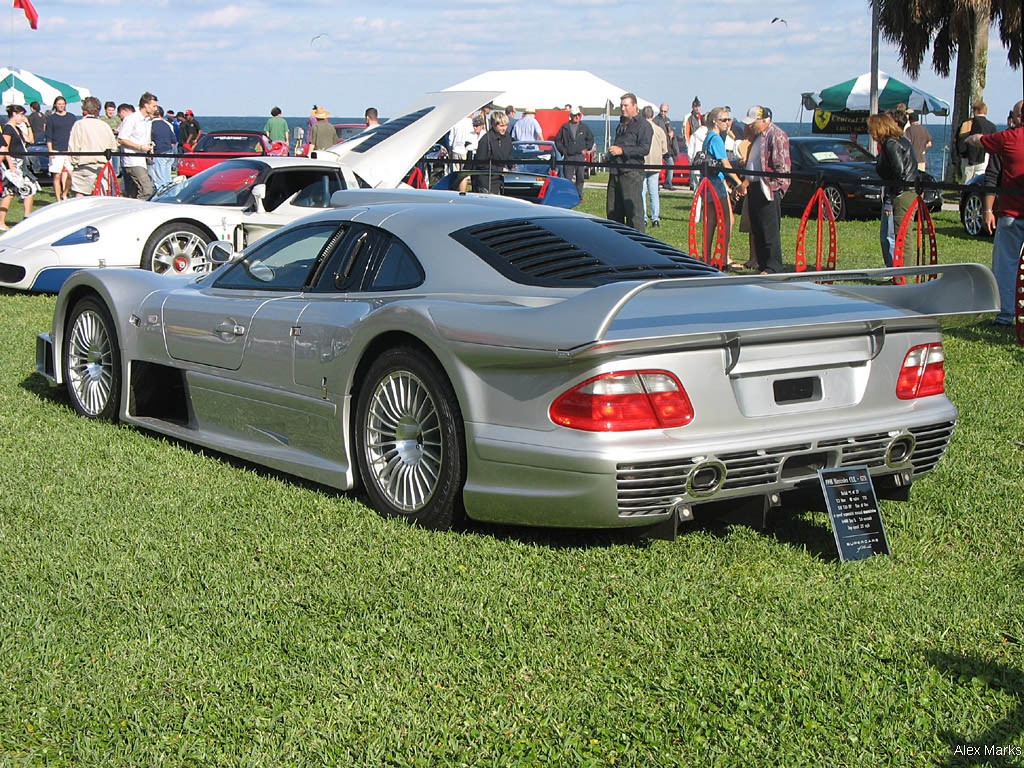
971,72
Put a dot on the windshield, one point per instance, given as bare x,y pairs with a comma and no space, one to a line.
532,150
838,151
229,143
229,183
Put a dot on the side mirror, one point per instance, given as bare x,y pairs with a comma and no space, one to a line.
219,252
259,194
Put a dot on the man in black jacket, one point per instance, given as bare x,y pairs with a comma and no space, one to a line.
572,140
974,157
626,174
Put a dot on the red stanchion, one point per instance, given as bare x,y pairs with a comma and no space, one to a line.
705,191
415,179
106,182
917,213
825,214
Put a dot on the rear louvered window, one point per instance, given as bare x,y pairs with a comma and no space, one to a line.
575,251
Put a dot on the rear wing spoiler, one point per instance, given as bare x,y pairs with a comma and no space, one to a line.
703,311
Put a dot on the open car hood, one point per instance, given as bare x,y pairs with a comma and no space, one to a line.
383,156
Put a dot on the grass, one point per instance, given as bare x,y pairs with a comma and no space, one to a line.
165,606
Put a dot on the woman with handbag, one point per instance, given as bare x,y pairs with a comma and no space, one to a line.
897,167
17,180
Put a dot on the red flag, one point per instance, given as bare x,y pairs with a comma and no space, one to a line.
30,12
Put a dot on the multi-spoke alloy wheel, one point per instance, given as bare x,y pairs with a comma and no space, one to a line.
176,249
409,439
92,361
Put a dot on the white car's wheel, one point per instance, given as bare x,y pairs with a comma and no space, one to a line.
971,215
92,361
176,249
409,439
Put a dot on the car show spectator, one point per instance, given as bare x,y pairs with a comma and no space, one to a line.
276,127
719,123
919,137
58,132
1009,209
460,138
896,166
89,135
694,121
135,136
322,134
573,140
370,117
652,174
163,150
510,113
632,142
665,123
972,154
527,128
769,151
693,146
17,135
493,155
189,131
37,121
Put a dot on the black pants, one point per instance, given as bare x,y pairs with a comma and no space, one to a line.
625,199
765,220
575,173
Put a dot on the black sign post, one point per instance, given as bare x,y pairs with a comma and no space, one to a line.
853,509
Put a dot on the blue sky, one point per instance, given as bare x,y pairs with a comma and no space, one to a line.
243,57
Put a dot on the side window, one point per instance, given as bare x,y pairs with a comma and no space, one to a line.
282,262
283,184
398,269
317,194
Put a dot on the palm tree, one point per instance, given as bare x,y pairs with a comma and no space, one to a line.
952,28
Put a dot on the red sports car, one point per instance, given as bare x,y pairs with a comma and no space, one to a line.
223,145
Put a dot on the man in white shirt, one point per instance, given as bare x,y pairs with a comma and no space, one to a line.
527,128
135,135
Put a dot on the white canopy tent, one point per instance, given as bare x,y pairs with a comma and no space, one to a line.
551,89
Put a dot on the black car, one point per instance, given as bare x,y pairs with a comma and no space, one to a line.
972,205
848,176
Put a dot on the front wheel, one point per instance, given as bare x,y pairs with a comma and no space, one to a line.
409,439
971,215
176,249
835,198
92,361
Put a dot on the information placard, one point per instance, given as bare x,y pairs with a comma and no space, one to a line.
853,509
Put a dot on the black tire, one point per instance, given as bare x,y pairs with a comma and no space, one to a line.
410,439
971,216
837,200
177,248
91,361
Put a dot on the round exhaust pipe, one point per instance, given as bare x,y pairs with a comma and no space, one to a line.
706,478
900,449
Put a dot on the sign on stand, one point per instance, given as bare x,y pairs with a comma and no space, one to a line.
853,509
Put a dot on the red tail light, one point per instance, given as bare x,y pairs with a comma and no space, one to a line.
923,372
624,401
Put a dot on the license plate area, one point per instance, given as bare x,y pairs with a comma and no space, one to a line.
806,389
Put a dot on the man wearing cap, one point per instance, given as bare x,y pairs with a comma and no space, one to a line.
768,153
189,131
573,140
693,121
630,146
527,128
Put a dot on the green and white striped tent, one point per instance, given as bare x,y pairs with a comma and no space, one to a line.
856,95
19,86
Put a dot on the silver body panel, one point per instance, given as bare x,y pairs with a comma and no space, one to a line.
270,376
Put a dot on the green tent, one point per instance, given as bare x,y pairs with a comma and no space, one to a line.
856,95
19,86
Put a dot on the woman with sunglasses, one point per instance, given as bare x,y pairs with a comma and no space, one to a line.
718,122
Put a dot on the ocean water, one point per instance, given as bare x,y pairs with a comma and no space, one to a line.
935,156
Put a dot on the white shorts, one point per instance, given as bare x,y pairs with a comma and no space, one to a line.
59,163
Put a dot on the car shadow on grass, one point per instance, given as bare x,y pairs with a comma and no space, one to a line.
996,743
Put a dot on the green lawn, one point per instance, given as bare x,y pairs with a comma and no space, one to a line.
164,606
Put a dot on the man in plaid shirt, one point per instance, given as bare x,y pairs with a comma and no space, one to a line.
769,151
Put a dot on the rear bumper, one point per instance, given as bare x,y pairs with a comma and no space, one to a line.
513,480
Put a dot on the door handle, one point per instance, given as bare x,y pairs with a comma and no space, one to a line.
229,329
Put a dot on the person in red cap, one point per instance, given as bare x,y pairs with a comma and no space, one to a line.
189,131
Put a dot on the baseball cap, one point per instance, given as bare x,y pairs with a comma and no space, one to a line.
576,111
757,112
479,120
189,112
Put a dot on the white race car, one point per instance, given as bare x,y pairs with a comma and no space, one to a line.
239,200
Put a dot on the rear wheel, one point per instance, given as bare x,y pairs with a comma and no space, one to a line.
92,361
176,249
970,214
409,439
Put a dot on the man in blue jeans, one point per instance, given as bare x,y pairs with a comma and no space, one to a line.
1007,213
